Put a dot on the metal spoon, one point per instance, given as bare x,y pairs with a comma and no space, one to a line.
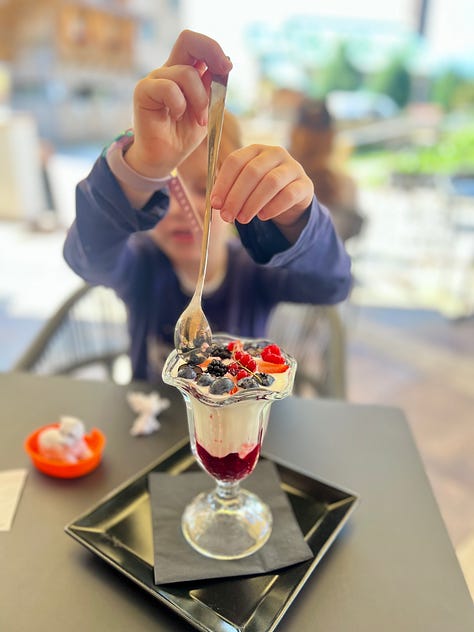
192,330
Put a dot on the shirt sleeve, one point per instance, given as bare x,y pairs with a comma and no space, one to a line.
317,265
97,244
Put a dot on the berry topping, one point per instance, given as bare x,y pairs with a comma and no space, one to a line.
272,353
205,379
234,345
265,379
242,373
233,368
228,368
220,352
216,368
245,360
248,382
221,385
187,372
196,357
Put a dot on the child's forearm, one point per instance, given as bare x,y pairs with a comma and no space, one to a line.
98,240
137,185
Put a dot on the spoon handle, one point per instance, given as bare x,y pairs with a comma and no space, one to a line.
214,132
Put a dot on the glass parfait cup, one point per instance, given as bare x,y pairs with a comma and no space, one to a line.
226,434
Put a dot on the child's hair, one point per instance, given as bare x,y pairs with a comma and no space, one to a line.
313,114
312,135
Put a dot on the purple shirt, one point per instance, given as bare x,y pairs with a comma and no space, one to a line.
108,245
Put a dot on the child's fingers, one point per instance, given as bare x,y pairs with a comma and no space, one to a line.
288,203
179,89
225,192
191,47
259,180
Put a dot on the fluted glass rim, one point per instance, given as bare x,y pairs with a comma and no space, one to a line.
254,394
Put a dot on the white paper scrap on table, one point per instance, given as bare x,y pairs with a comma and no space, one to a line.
11,487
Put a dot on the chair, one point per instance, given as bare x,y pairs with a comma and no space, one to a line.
315,336
86,337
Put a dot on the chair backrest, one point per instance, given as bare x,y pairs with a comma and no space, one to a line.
88,331
315,336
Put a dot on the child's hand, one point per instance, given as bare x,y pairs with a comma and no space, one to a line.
263,181
171,105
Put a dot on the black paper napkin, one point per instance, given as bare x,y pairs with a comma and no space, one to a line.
176,561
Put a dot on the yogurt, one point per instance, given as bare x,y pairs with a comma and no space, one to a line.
228,393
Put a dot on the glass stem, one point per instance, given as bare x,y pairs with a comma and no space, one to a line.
227,490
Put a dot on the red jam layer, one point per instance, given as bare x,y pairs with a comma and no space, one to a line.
229,467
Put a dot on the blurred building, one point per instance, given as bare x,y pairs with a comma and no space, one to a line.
73,63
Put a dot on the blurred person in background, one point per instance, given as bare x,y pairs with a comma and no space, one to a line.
313,144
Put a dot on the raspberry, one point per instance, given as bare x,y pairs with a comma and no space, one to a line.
272,353
245,360
233,368
234,345
274,349
274,358
248,382
241,374
251,364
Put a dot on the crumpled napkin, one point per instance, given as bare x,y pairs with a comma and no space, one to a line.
148,406
176,561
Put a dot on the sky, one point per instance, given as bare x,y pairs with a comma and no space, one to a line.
450,21
449,26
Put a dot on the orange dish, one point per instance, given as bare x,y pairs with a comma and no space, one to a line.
60,469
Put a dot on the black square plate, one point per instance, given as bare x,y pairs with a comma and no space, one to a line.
119,530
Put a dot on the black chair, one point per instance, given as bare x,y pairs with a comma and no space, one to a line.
315,336
86,337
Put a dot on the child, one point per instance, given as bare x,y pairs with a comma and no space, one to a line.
132,235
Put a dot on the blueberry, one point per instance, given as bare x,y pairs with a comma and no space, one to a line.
196,357
248,382
187,372
265,379
221,385
205,379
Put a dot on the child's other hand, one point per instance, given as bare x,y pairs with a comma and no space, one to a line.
171,105
263,181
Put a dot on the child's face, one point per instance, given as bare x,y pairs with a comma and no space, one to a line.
173,233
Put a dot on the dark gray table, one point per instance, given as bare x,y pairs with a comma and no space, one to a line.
391,569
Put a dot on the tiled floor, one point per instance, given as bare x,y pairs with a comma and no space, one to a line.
423,364
401,350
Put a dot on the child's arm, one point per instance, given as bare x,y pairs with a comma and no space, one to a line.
170,107
265,182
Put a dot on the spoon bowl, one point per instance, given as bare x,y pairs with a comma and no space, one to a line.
192,329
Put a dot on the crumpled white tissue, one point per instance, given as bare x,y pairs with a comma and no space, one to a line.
148,406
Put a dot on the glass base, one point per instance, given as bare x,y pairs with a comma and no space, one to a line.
227,528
